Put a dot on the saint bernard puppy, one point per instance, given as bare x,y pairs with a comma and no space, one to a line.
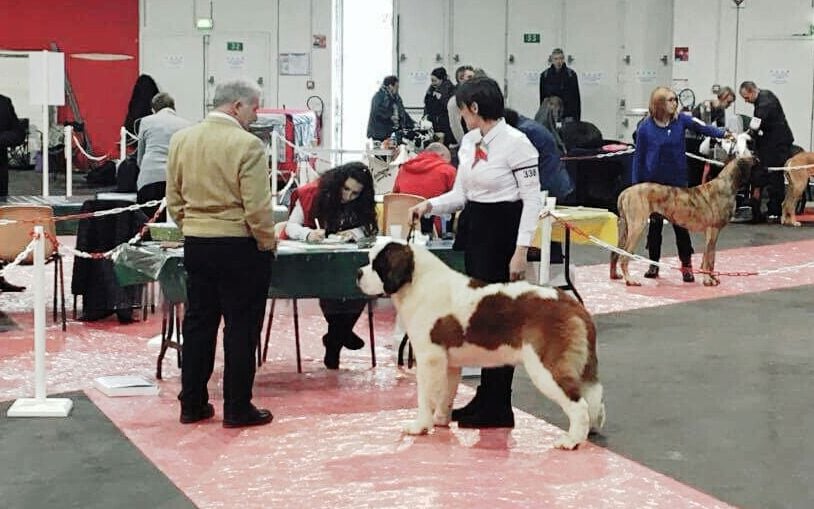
453,321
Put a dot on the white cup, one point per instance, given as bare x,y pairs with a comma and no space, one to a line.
394,230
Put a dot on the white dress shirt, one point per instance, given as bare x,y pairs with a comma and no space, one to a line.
295,229
509,173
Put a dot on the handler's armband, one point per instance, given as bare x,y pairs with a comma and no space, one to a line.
526,174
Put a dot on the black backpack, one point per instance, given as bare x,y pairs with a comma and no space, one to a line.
127,175
103,175
581,135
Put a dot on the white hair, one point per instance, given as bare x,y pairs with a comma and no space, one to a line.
236,90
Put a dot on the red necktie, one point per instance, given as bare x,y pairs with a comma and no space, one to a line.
480,153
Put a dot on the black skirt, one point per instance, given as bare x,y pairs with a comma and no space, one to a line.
489,239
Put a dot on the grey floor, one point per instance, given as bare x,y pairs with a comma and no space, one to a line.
715,393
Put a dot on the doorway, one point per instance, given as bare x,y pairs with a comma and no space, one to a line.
363,58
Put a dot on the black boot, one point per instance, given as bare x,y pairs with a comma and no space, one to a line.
470,408
5,286
348,338
332,349
495,411
652,272
757,215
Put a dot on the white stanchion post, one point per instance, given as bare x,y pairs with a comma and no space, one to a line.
40,405
545,239
68,143
275,162
46,123
122,143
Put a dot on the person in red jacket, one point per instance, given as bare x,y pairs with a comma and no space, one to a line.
429,174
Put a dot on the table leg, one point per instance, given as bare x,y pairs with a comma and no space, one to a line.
569,285
372,338
297,334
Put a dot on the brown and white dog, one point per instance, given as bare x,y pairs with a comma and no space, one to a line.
798,180
706,208
453,321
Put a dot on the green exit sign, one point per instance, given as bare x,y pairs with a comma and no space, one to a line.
234,46
531,38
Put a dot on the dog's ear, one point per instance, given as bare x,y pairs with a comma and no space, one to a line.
394,264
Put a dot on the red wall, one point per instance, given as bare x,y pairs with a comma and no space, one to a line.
102,88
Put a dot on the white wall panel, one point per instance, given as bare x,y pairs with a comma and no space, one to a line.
422,45
479,36
168,15
528,60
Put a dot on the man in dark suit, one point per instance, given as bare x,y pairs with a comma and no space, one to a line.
561,81
218,194
773,149
11,135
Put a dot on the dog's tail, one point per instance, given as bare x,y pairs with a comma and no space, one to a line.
593,394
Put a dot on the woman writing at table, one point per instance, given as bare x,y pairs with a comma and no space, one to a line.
498,183
340,204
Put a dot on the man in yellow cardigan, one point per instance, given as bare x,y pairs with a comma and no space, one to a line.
218,194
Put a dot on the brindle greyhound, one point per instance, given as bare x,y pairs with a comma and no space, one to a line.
706,208
798,180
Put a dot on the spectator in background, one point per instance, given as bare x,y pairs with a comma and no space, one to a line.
709,112
561,81
773,149
155,132
140,99
429,174
11,135
550,116
457,126
435,102
218,194
387,113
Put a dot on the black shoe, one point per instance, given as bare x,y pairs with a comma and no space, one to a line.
652,272
332,350
5,286
470,408
687,275
255,417
200,414
353,342
488,417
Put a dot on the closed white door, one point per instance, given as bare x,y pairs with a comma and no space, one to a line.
534,30
245,55
786,67
176,62
479,37
421,46
647,57
591,43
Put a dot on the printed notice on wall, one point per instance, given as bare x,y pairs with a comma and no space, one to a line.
295,64
173,61
235,62
419,77
645,76
592,78
779,76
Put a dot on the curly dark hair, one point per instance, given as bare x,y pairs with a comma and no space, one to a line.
336,216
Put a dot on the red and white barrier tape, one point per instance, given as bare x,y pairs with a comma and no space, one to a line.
86,215
626,151
790,168
88,156
21,256
703,159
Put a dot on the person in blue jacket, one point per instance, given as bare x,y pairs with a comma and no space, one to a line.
660,158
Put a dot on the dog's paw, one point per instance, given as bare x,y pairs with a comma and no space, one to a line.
632,282
416,428
711,281
566,443
615,275
441,420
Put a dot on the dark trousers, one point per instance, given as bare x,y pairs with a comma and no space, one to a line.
226,277
3,178
341,315
683,241
150,192
776,191
491,239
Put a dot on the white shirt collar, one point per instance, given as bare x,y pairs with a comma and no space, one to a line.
493,132
220,114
